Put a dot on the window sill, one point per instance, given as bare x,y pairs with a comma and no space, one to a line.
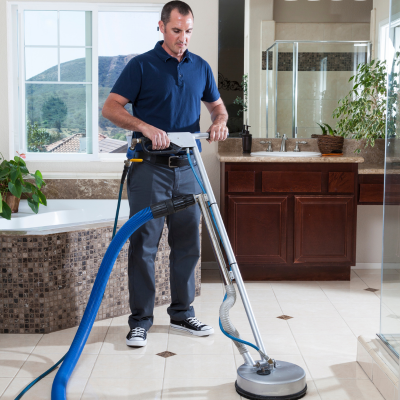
82,175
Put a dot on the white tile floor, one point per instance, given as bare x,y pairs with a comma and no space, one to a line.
321,337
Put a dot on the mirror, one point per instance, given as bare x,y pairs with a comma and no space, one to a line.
299,56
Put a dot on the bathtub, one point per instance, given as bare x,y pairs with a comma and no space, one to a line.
64,213
49,262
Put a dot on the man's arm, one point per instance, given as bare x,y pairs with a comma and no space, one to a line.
114,111
219,116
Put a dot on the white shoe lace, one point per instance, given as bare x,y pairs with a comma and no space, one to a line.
194,321
138,332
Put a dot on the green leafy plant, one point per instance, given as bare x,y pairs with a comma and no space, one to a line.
14,176
325,128
362,113
243,101
38,138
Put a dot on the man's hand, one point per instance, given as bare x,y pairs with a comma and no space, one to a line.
218,132
158,137
219,116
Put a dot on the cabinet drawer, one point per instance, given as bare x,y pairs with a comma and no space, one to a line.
290,181
341,182
241,181
371,193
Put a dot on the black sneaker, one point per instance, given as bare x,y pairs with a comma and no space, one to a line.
193,326
137,337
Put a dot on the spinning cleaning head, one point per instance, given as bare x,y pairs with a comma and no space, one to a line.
285,381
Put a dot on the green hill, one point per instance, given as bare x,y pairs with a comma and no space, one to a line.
74,95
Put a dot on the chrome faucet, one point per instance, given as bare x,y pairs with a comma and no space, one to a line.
296,149
283,144
269,145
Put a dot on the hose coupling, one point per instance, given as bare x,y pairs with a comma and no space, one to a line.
134,142
171,206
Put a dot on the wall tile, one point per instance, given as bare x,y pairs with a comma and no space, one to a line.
337,31
46,280
307,31
285,31
360,32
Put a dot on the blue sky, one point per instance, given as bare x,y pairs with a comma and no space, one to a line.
119,33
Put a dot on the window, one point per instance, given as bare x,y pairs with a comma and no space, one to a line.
65,58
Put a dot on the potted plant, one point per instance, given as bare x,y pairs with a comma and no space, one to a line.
362,113
329,142
14,181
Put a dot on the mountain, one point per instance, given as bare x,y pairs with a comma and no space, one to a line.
74,95
75,71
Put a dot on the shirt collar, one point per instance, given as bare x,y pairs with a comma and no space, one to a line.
165,56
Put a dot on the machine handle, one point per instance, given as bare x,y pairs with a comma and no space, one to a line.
172,149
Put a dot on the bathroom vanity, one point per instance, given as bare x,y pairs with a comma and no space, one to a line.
291,220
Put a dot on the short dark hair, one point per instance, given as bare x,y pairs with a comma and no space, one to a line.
183,9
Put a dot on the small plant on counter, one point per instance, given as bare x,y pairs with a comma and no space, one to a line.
362,113
325,128
242,101
14,180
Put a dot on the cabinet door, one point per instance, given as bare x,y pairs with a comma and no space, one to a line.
257,228
324,229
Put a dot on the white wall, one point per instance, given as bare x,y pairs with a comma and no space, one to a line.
369,236
204,43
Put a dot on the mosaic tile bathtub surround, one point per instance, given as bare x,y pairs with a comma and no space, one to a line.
314,61
46,280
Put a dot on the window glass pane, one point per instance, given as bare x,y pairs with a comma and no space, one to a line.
114,54
75,65
75,28
40,28
41,64
58,118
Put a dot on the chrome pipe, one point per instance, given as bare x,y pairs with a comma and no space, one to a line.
214,239
229,250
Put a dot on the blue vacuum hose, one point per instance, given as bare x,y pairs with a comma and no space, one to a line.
58,391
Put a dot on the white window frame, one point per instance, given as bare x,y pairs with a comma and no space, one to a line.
16,74
384,34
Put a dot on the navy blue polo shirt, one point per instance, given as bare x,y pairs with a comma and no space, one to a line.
166,93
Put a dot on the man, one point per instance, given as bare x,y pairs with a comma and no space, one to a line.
165,86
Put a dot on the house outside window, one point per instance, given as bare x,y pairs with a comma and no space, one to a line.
63,61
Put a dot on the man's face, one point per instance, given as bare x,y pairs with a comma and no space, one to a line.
177,32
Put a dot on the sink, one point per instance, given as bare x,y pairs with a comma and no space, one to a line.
286,154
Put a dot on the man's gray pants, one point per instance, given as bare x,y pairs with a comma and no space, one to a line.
147,184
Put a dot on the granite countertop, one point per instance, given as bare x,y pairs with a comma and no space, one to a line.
239,157
370,160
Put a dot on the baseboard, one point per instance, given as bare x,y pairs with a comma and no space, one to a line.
209,265
367,266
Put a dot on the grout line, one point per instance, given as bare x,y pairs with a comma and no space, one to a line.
97,356
298,348
165,364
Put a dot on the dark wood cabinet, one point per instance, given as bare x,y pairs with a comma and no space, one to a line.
257,228
324,229
291,221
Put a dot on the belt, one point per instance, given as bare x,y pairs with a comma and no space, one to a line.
171,161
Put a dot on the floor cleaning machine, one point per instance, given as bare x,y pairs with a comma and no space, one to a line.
263,379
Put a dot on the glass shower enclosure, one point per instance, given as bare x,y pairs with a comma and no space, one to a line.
305,80
390,274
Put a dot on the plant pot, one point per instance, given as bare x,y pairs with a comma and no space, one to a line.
12,201
328,144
